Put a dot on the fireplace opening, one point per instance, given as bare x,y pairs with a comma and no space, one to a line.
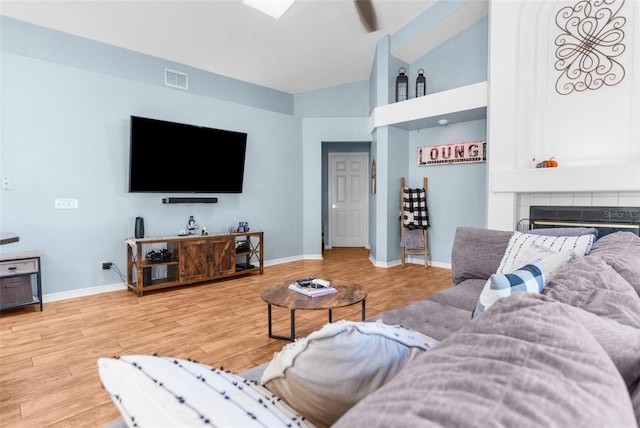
605,220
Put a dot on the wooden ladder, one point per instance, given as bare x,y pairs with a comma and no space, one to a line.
424,252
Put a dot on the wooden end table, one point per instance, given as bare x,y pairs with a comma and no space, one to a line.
280,295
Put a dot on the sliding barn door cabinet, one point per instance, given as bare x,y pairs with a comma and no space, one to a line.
162,262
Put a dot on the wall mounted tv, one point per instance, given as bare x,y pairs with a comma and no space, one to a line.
169,157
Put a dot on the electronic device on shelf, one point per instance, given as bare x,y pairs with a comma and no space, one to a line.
244,266
242,246
158,256
139,227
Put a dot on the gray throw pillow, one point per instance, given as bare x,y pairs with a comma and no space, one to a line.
620,342
590,283
621,251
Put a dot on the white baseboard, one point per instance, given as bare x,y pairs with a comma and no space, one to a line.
415,261
283,260
81,292
89,291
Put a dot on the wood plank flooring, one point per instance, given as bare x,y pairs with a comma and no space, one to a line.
48,369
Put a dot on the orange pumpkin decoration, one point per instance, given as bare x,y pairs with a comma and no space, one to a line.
549,163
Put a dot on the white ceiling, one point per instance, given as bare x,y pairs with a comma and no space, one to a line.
316,44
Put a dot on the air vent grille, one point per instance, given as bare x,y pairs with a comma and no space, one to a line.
176,79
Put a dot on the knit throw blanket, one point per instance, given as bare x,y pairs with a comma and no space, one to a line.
412,239
414,208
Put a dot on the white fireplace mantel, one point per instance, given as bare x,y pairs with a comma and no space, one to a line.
592,178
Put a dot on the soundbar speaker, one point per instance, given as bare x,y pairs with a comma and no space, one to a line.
189,200
139,229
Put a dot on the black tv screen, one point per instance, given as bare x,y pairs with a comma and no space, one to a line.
171,157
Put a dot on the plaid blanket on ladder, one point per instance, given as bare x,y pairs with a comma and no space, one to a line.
415,214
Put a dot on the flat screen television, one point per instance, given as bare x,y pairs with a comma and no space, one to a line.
169,157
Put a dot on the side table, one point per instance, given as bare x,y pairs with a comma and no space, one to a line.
17,274
280,295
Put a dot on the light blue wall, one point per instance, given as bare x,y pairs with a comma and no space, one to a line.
398,167
65,134
54,46
428,19
315,132
350,100
456,193
460,61
66,103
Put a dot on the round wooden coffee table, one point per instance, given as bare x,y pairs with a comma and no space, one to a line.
280,295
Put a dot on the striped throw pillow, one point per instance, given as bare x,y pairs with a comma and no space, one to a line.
156,391
521,242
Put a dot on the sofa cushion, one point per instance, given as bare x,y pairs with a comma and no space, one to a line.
635,400
620,342
152,391
591,284
621,250
254,373
529,278
463,295
476,252
521,242
431,318
522,364
327,372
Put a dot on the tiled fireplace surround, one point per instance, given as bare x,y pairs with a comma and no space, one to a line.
587,199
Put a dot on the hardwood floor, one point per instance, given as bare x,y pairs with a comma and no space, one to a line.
48,369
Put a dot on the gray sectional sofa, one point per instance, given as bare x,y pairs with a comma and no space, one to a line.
567,355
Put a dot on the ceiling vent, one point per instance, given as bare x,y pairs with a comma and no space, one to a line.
176,79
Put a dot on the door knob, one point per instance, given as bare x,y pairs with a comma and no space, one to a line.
334,206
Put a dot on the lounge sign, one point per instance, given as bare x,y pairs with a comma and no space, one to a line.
446,154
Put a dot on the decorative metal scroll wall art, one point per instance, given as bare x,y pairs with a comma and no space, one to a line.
591,40
447,154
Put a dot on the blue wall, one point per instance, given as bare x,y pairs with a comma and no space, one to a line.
66,104
456,193
65,134
460,61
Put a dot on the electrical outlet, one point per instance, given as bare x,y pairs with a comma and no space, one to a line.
66,203
105,265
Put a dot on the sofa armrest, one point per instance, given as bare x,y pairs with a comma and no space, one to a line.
477,252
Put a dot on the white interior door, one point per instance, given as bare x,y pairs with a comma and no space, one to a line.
348,199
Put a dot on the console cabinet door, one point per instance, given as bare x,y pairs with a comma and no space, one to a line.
222,256
194,257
